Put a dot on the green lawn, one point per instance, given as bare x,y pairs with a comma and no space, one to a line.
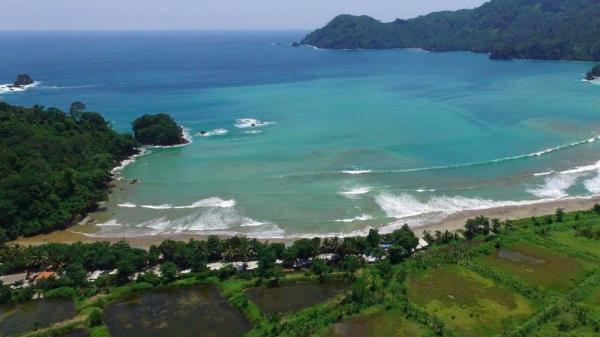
467,302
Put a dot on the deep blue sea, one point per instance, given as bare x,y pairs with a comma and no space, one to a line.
301,141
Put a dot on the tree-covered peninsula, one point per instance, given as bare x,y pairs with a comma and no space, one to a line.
531,29
54,167
160,129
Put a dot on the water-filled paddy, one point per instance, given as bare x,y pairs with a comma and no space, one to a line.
537,266
293,297
181,312
34,314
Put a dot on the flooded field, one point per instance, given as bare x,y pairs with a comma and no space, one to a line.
537,266
293,297
33,315
182,312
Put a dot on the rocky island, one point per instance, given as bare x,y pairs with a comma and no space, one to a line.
593,74
22,81
158,130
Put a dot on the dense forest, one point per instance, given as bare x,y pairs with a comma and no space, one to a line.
531,29
159,129
53,166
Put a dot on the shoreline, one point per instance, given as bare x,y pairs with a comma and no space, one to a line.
452,222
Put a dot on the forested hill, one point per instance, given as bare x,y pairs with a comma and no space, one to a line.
532,29
53,166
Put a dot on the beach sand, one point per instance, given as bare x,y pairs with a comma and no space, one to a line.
453,222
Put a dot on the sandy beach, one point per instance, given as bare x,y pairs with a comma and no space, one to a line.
453,222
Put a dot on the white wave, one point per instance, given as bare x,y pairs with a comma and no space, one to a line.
244,123
253,132
363,217
555,186
593,184
356,172
9,88
215,132
541,174
581,169
129,160
111,223
214,220
163,206
203,203
471,164
127,205
355,193
210,202
423,190
407,207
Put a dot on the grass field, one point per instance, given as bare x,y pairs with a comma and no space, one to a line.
565,325
467,302
378,323
577,243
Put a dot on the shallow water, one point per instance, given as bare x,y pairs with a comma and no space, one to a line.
518,257
34,314
181,312
294,297
342,140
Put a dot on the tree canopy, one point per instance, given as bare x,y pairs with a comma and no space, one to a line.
532,29
159,129
53,167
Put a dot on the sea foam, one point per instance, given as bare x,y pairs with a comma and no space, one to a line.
244,123
215,132
555,186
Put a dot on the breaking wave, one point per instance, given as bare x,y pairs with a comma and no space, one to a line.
363,217
555,186
204,203
355,193
9,88
209,221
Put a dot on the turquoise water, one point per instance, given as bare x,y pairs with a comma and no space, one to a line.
343,140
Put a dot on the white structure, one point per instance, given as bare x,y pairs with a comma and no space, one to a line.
93,276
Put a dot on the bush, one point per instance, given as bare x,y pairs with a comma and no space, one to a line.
60,292
99,331
96,318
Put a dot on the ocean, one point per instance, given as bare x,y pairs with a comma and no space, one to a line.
300,141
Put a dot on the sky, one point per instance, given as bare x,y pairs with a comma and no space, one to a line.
205,14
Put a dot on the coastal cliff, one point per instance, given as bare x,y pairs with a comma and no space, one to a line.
520,29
